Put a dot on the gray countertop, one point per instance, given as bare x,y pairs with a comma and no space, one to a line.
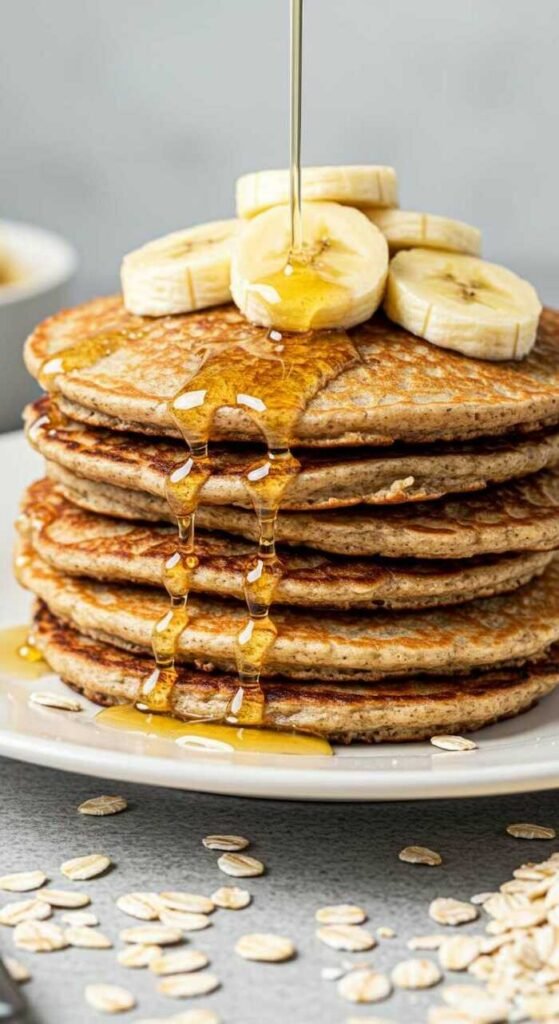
315,854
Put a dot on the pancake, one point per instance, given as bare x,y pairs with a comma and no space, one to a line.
522,515
356,476
339,646
394,711
84,544
397,388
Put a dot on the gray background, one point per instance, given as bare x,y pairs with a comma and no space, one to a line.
123,119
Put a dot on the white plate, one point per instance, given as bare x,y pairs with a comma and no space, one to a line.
522,754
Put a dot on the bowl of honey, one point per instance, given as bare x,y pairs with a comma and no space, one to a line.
36,271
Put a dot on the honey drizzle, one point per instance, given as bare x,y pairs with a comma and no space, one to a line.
273,385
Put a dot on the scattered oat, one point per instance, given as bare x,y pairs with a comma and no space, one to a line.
457,952
386,933
332,973
87,938
183,986
232,844
368,1020
453,743
80,918
240,865
364,986
23,881
143,905
46,699
17,971
475,1002
24,910
420,855
230,897
263,946
152,934
103,805
526,831
448,911
188,901
341,913
351,938
180,961
39,937
80,869
415,974
63,898
138,955
109,998
185,921
426,942
542,1006
481,897
446,1015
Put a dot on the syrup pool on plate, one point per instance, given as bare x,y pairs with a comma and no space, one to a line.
18,655
212,736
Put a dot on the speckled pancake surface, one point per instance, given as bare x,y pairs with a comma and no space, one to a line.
340,646
84,544
327,479
402,388
396,710
522,515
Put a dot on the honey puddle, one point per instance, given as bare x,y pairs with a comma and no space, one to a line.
213,736
18,655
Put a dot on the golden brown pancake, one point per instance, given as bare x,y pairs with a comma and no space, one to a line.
84,544
396,710
401,389
326,480
336,646
522,515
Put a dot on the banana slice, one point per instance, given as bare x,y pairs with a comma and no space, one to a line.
337,281
352,186
180,272
404,229
463,303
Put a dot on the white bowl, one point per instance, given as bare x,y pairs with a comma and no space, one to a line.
46,265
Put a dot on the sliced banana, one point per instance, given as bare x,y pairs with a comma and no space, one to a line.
463,303
180,272
405,229
336,282
353,186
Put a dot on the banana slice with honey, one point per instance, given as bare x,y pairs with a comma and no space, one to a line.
463,303
180,272
361,185
405,229
336,281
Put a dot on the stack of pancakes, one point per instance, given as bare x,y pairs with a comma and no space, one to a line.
419,593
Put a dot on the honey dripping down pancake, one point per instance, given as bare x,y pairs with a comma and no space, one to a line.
273,382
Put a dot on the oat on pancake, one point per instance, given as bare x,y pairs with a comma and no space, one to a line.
522,515
397,710
340,646
84,544
326,480
402,388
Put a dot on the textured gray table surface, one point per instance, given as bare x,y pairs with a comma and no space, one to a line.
314,853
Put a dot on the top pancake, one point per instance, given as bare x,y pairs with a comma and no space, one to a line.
403,388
